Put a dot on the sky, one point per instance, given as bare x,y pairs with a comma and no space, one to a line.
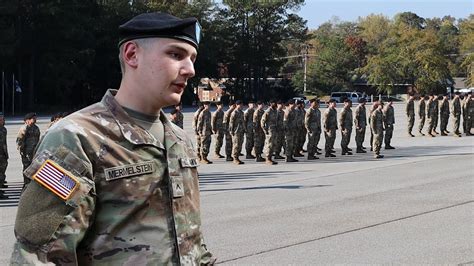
316,12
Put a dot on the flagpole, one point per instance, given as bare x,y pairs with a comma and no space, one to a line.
13,95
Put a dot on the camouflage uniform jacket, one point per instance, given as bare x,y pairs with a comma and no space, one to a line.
27,139
300,113
330,119
312,120
431,110
456,106
345,120
410,110
388,115
3,143
195,121
376,122
227,117
217,121
179,119
289,120
280,117
204,123
248,119
257,118
237,124
444,107
422,108
360,117
269,120
136,200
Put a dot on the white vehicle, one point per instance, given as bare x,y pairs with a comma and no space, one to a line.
342,95
303,98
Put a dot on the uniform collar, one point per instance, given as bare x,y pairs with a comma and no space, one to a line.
133,132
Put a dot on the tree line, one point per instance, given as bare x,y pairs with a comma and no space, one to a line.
64,53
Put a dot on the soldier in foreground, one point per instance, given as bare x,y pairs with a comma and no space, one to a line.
360,123
26,141
345,123
330,127
410,111
217,123
116,183
376,125
389,121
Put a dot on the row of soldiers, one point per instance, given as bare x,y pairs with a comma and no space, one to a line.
435,108
286,127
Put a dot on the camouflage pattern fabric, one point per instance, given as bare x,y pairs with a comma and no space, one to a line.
205,131
137,201
431,113
435,117
410,111
179,119
444,115
389,121
249,134
300,129
280,142
470,115
345,123
269,126
371,110
237,130
330,127
360,122
259,134
312,123
228,136
196,131
289,121
421,114
456,112
217,123
376,126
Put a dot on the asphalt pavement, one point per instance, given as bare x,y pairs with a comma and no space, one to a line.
415,206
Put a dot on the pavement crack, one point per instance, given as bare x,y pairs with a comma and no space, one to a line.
349,231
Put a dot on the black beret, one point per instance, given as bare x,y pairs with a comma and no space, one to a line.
163,25
29,116
238,102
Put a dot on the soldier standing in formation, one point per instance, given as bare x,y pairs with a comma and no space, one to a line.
312,123
280,130
237,131
249,133
345,123
444,116
26,141
468,114
422,114
228,136
3,155
431,113
389,121
436,113
179,118
217,123
204,128
360,123
376,125
269,125
371,110
410,111
289,122
300,129
456,112
196,131
330,127
259,134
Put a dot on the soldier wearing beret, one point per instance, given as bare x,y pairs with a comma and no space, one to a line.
205,132
410,111
389,121
360,123
26,141
456,112
444,116
345,124
422,114
312,121
237,131
228,136
116,183
217,123
330,127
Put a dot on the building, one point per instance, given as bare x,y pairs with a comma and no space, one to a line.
210,90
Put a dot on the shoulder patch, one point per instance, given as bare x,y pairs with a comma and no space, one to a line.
56,179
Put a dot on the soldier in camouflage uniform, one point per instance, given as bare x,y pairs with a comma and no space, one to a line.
300,129
269,125
422,113
217,123
389,121
436,113
410,111
468,114
374,106
280,142
376,125
345,123
431,112
249,134
330,127
3,155
259,134
360,123
128,192
196,131
205,132
179,117
456,112
237,130
444,116
289,123
312,121
26,141
228,136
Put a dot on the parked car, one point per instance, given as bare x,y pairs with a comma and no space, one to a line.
301,98
340,96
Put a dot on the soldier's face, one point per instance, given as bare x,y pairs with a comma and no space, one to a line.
2,121
162,70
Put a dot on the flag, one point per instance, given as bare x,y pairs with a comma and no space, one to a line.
17,86
56,179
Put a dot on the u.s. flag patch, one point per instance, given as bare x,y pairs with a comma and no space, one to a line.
56,179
